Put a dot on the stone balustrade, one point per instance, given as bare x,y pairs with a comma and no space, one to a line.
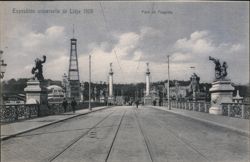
238,110
193,106
10,113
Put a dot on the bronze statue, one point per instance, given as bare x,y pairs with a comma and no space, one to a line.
38,69
220,71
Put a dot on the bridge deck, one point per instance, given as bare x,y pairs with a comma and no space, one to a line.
128,134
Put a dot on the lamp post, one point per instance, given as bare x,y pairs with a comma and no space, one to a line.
169,105
90,83
2,71
3,65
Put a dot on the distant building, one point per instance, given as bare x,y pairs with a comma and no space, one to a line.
178,92
55,94
120,100
14,99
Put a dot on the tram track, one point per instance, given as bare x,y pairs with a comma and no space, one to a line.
114,138
184,141
75,140
89,131
145,138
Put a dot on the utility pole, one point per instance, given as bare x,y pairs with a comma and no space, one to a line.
194,93
168,86
90,83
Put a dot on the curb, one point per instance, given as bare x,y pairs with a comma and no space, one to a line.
28,130
240,131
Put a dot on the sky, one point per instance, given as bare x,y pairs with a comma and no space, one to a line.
128,34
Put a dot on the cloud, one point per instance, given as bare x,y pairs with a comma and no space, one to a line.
51,36
125,55
130,44
198,43
129,57
201,45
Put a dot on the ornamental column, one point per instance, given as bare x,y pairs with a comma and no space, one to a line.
147,80
147,97
111,81
111,97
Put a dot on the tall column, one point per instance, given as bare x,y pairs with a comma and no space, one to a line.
147,97
147,80
111,81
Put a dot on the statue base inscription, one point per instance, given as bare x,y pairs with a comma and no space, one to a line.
221,92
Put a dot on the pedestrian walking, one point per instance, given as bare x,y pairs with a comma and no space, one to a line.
73,104
160,102
65,104
154,102
137,103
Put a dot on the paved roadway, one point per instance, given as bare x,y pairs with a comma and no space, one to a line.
127,134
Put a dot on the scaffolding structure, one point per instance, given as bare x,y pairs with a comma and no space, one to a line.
73,75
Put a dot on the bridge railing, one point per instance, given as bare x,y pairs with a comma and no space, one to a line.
193,106
9,113
238,110
14,112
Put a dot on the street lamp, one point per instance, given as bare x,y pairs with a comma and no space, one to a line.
2,71
169,105
90,108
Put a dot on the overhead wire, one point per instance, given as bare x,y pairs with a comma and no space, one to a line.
108,31
139,60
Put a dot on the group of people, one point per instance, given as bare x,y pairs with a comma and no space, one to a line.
73,104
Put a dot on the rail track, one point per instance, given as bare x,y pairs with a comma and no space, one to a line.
145,138
75,140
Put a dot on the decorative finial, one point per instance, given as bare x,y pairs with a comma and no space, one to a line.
111,71
148,72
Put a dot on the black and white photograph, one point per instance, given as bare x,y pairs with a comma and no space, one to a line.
124,81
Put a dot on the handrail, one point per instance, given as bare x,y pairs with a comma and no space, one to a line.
238,110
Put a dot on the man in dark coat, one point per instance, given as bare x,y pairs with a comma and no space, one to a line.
73,104
65,104
154,102
137,103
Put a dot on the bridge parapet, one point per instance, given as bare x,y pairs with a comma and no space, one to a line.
9,113
238,110
14,112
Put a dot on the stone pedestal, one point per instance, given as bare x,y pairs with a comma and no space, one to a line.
111,100
36,93
148,100
221,92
